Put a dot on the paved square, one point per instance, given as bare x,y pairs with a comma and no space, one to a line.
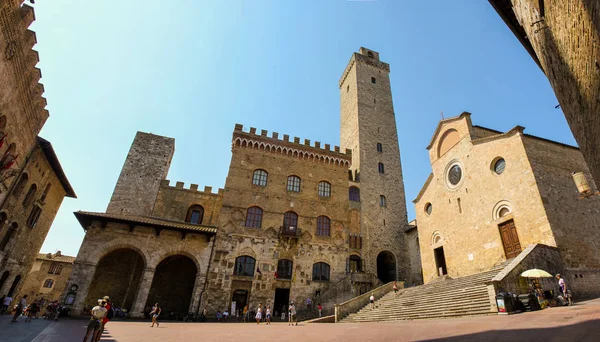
577,323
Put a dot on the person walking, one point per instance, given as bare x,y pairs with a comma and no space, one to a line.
110,312
320,308
245,313
98,312
6,304
395,289
156,310
268,315
259,313
372,301
292,313
308,304
563,289
20,307
283,311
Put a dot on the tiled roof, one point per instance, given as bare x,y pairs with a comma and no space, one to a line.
54,257
48,150
85,218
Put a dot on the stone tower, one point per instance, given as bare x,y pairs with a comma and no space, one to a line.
146,165
368,127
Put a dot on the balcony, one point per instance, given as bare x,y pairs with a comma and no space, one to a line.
289,232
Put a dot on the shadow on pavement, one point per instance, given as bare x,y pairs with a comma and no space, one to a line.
583,331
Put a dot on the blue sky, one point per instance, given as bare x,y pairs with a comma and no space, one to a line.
192,69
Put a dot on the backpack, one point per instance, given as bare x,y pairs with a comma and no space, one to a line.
110,313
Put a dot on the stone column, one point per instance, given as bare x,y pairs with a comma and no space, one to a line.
198,287
137,310
82,276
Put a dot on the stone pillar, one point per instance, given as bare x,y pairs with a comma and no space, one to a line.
137,310
198,287
82,276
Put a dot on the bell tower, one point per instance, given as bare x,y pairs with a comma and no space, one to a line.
368,127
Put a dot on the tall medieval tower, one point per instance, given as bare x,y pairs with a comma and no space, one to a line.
368,127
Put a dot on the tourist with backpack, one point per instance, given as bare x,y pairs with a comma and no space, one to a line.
110,313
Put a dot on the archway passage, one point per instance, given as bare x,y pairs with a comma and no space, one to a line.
118,276
386,267
14,285
3,279
173,285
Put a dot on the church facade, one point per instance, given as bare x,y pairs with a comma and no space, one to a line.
295,220
492,194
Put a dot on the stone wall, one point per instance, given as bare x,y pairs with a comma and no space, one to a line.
412,242
147,164
173,202
564,37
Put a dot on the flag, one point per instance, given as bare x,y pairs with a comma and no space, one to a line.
258,270
276,275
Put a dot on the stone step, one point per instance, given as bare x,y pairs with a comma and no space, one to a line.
437,296
467,302
436,315
407,311
416,305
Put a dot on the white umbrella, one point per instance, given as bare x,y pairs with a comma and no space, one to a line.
536,273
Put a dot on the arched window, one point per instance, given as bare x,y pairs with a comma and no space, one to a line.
320,272
260,177
324,189
290,219
20,185
381,168
379,147
254,217
293,183
382,201
48,283
30,195
354,194
244,266
195,214
323,226
284,269
6,239
34,215
45,194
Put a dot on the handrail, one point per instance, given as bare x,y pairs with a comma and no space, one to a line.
355,304
332,287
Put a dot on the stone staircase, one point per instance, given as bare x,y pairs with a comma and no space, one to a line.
443,298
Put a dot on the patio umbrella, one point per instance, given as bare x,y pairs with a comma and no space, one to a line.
536,273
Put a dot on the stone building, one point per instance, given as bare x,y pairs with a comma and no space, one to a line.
28,212
562,38
32,182
295,220
48,277
492,194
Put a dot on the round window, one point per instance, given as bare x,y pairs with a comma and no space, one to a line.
499,166
428,209
455,174
503,212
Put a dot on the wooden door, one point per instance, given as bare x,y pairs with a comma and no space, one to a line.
510,239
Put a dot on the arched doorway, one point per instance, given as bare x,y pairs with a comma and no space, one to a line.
14,285
386,267
173,285
118,276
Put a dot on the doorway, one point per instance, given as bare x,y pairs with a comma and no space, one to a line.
440,261
386,267
510,239
240,297
282,299
11,292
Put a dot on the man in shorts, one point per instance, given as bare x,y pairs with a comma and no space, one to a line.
95,325
109,315
292,312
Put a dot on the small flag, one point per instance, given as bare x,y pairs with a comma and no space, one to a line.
258,270
276,275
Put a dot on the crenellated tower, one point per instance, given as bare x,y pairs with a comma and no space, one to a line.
368,128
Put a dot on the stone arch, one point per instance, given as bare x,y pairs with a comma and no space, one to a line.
173,284
158,258
112,246
237,142
246,251
436,238
3,279
501,209
450,138
386,267
118,274
244,143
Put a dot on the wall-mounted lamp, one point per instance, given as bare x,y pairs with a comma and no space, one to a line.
583,186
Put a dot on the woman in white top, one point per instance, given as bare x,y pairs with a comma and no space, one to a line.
372,300
259,314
